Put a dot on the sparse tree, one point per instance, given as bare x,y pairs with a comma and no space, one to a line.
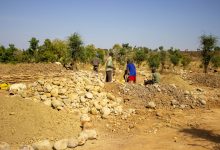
175,56
163,56
185,61
154,60
75,45
139,56
208,43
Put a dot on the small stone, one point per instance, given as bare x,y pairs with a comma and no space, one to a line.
47,88
174,102
61,144
54,92
47,102
91,134
72,143
57,103
41,82
62,91
151,105
26,147
111,96
85,118
94,111
202,101
4,146
199,90
42,145
43,97
105,112
73,96
48,95
82,138
183,106
89,95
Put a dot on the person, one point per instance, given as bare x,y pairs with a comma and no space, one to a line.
131,71
95,63
109,68
155,77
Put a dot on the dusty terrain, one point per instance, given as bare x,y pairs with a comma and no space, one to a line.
187,125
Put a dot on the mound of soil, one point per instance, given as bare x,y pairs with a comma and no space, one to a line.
15,73
25,122
209,80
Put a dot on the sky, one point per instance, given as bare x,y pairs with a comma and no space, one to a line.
150,23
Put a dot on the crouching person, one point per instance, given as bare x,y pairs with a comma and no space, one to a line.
155,77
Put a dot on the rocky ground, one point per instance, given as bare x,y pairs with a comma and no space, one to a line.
59,108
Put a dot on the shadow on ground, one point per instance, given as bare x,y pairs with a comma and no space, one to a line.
204,134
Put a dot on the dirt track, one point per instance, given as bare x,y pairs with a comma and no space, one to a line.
24,122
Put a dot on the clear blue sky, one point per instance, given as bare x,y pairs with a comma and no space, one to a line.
150,23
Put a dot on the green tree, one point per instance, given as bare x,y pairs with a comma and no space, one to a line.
101,54
216,61
140,56
163,56
175,56
208,43
33,48
46,52
75,45
61,51
90,52
185,61
154,60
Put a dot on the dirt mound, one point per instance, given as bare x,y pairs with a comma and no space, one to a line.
13,73
209,80
25,122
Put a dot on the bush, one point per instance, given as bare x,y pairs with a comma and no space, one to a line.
186,61
215,61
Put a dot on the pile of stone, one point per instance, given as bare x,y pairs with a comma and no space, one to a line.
80,91
164,96
88,133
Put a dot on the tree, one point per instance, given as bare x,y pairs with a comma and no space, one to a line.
101,54
154,60
163,56
46,52
75,42
175,56
61,50
33,48
208,43
139,56
185,60
216,61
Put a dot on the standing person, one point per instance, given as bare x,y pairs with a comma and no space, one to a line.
109,68
95,63
131,71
